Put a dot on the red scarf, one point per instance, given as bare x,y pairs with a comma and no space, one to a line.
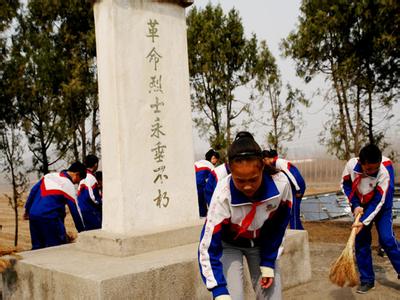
354,185
248,219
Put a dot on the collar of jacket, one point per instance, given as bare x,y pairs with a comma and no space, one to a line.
64,173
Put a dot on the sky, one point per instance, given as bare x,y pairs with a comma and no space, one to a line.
273,21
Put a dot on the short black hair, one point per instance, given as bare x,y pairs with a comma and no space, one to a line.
370,154
210,153
78,167
91,160
244,147
270,153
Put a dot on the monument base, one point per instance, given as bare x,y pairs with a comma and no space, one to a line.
67,272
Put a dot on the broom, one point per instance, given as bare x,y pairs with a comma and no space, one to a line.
6,262
344,269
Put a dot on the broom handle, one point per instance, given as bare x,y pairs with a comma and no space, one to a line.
354,229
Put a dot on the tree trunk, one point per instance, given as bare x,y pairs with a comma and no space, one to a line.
370,119
75,145
43,150
342,119
357,146
83,139
95,128
15,202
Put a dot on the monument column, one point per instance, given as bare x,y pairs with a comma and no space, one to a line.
145,118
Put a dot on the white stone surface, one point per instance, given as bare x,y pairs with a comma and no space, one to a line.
66,272
127,118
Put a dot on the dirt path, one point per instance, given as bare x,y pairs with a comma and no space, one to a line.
320,288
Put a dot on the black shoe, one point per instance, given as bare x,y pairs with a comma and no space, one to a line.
365,287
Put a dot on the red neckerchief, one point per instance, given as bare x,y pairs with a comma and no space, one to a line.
354,185
248,219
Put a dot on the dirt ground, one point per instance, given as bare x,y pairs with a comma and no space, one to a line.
327,240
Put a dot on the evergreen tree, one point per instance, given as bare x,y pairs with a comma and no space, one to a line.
11,149
220,61
355,45
282,115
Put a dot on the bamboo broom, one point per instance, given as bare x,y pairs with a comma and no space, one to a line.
7,261
343,270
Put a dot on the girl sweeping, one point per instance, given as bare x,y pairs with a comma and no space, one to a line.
248,216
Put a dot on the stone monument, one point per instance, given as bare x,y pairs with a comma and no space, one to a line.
146,127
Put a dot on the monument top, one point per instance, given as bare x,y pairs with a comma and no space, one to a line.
183,3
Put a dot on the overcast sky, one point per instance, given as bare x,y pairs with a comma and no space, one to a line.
272,21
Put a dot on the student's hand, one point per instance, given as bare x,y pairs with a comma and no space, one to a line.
266,282
71,237
358,210
357,224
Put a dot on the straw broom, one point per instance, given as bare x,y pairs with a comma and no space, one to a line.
344,268
7,256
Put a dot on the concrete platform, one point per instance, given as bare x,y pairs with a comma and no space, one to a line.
67,272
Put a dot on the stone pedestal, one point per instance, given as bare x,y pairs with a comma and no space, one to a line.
66,272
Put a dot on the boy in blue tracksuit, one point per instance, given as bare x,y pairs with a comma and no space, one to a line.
45,206
368,183
216,175
296,180
203,169
89,197
248,216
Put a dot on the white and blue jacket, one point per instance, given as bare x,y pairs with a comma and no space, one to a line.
203,169
374,192
89,197
227,210
48,197
294,175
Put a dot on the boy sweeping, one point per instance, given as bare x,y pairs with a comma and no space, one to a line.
368,183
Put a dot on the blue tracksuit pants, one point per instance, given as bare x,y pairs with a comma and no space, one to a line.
47,232
383,223
295,222
92,219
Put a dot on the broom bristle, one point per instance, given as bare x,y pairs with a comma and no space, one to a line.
4,264
343,270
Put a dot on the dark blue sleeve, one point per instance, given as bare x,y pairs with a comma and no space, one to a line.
390,170
300,180
210,187
272,234
209,255
76,216
32,195
97,196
